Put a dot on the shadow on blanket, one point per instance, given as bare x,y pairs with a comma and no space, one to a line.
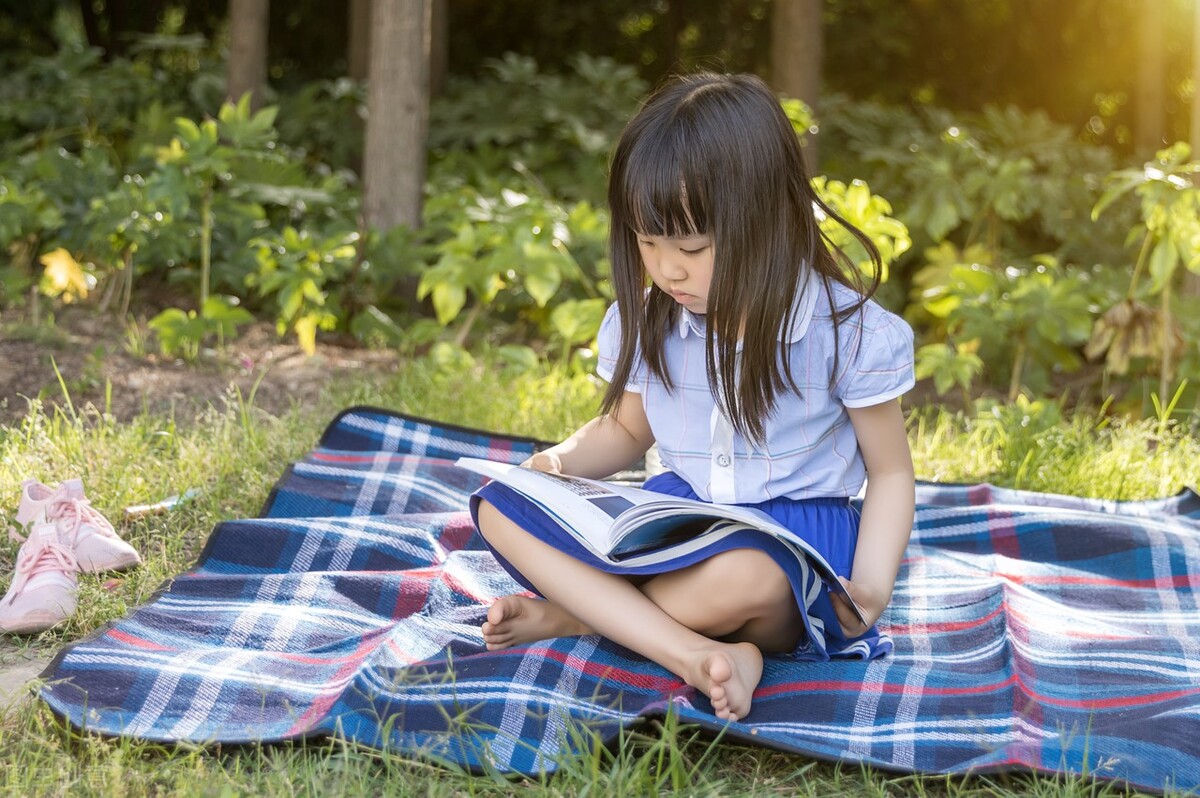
1031,631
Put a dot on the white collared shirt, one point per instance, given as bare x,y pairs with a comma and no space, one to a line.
810,448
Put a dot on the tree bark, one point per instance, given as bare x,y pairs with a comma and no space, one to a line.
796,53
1152,79
397,114
248,22
673,25
117,12
358,48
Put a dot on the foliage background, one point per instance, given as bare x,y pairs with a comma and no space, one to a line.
972,140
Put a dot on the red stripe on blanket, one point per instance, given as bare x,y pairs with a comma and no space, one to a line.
947,626
133,640
1177,581
321,704
1158,583
851,686
625,676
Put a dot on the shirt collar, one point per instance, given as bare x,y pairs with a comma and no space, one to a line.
693,323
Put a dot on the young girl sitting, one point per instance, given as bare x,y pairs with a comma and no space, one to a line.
747,347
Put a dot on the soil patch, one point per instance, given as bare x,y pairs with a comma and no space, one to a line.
18,667
92,355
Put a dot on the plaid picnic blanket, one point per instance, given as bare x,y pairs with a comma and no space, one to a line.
1031,631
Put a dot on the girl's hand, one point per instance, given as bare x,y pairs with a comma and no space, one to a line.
865,597
544,461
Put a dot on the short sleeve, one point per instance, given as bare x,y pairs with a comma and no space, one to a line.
880,368
609,346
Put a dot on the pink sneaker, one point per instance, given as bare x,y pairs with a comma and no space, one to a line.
43,587
96,544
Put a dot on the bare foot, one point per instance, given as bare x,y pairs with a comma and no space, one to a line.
728,676
514,620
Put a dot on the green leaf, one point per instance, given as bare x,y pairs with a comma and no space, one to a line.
450,355
943,217
224,309
448,301
942,307
578,320
222,312
948,365
1163,259
189,131
943,381
208,134
858,199
291,300
178,332
264,119
519,358
312,292
541,275
371,325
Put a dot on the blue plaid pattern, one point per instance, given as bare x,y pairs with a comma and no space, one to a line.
1031,632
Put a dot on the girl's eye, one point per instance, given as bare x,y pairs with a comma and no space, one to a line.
694,251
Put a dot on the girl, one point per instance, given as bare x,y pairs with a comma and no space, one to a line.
745,345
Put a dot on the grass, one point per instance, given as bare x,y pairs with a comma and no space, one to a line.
233,453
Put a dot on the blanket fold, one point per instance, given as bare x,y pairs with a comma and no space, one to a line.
1031,631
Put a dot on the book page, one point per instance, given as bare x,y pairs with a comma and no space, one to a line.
584,507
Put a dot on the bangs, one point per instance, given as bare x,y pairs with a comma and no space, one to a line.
662,195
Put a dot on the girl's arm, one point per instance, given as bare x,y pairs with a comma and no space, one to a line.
603,446
887,512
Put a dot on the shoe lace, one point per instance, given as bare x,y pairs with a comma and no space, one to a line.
78,512
50,557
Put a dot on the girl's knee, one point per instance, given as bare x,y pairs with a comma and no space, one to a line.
753,573
501,532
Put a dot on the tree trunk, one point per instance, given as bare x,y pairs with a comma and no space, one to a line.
117,12
248,49
358,49
397,114
796,52
1152,79
673,26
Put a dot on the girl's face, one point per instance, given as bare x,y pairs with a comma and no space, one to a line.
681,266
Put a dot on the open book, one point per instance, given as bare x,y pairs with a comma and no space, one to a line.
635,527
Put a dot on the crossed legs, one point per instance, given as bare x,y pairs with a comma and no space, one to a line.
708,624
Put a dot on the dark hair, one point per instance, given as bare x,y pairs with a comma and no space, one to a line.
715,154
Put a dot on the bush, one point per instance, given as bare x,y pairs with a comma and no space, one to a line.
992,250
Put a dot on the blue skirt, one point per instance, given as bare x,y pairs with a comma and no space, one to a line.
830,525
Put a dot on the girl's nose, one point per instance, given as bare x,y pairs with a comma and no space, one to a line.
672,269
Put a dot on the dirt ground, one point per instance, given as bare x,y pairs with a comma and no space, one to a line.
91,350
